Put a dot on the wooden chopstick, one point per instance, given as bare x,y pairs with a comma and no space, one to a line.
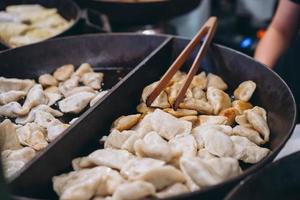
208,29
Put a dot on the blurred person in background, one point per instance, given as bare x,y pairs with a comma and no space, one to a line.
279,49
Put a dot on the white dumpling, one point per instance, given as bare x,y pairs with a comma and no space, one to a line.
13,95
204,154
180,112
47,80
9,84
161,100
13,109
53,97
248,151
116,138
199,81
81,163
162,177
165,124
92,79
32,114
79,89
82,69
137,166
216,82
54,131
212,119
64,72
198,93
218,99
98,97
129,143
245,90
186,144
32,135
173,190
110,157
249,133
134,191
14,160
8,136
86,183
200,105
75,103
35,97
208,172
68,85
45,119
154,146
223,128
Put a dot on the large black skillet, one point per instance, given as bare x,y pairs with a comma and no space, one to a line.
122,12
84,20
110,50
280,180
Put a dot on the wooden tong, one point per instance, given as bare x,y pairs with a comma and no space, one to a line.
208,29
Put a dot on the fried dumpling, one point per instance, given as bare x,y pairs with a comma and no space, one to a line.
116,138
137,166
36,96
45,119
79,89
98,97
75,103
86,183
162,176
32,135
153,146
173,91
198,93
245,91
52,89
13,109
81,163
248,151
13,95
161,100
249,133
143,108
83,69
47,80
223,128
92,79
218,99
200,81
216,82
8,136
243,121
9,84
191,118
173,190
53,97
164,124
134,191
64,72
110,157
230,114
241,106
180,112
199,105
67,86
126,122
208,172
14,160
54,131
186,144
212,119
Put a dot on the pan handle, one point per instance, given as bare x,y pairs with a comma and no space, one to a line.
93,21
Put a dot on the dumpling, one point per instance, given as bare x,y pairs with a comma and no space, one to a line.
67,86
64,72
13,109
161,100
212,119
83,69
173,91
8,136
142,108
173,190
245,91
32,135
9,84
186,144
249,133
198,93
208,172
35,97
243,121
13,95
216,82
53,97
223,128
199,81
241,106
230,114
8,30
14,160
116,138
199,105
153,146
81,163
204,154
134,191
218,99
92,79
110,157
75,103
164,124
137,166
86,183
162,177
47,80
180,112
52,89
45,119
192,118
248,151
79,89
98,97
126,122
54,131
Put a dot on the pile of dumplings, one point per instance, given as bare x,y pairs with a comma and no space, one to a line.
160,152
28,128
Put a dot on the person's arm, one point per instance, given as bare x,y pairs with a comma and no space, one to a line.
280,33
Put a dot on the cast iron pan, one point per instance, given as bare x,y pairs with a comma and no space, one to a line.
141,12
280,180
108,50
86,20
